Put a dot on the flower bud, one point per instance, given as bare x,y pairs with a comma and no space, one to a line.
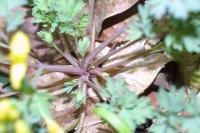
21,127
53,127
4,108
17,73
13,114
19,47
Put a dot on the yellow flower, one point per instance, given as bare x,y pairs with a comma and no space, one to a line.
21,127
4,108
19,50
8,111
13,114
17,73
19,47
53,127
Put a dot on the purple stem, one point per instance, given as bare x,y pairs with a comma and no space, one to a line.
101,60
137,55
69,69
92,85
92,55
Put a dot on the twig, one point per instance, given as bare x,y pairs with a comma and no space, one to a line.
82,86
92,25
9,94
81,122
94,123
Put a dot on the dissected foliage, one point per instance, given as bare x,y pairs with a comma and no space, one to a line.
178,112
131,109
177,22
83,45
67,16
14,17
116,122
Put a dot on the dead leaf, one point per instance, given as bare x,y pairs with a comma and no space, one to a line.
92,123
138,73
142,74
51,79
107,8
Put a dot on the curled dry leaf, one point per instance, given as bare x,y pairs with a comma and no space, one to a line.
142,74
107,8
138,73
107,32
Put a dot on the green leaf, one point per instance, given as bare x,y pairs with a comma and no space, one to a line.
82,23
40,104
179,9
191,124
176,21
14,20
113,120
83,45
68,86
162,129
179,112
78,99
141,25
129,108
68,89
8,5
46,36
67,9
65,15
134,32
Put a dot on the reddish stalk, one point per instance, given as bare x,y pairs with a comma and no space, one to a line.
69,69
101,60
96,51
123,62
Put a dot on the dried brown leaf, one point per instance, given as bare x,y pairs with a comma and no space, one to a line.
107,8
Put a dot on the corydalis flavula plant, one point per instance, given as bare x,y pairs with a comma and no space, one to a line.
177,22
67,16
86,66
178,112
129,108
